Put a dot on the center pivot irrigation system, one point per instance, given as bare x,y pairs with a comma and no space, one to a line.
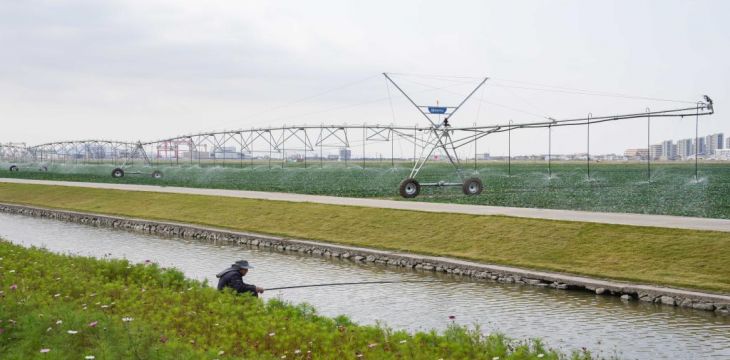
273,146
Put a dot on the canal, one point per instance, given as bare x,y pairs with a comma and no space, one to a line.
565,320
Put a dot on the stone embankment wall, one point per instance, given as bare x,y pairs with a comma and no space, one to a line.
628,292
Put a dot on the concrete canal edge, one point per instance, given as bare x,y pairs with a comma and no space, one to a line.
718,303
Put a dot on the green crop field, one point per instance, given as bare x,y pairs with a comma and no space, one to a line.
613,187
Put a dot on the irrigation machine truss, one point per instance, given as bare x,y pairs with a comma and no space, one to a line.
438,134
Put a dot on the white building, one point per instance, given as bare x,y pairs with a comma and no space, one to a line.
714,142
685,148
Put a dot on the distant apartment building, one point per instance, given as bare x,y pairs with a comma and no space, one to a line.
727,143
685,148
714,142
636,154
669,150
655,151
701,147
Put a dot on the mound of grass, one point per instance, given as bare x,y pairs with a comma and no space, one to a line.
70,307
684,258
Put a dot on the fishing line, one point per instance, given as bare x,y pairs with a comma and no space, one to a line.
353,283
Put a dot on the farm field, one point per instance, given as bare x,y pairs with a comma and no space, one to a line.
612,187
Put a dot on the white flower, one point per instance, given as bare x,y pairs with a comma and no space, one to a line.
495,358
297,351
90,357
59,322
540,355
72,332
272,334
11,271
402,341
56,295
221,352
127,319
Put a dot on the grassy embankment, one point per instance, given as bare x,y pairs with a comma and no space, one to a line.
67,307
683,258
612,187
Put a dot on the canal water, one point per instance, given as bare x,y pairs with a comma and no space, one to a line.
566,320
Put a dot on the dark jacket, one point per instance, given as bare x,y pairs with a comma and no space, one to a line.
232,278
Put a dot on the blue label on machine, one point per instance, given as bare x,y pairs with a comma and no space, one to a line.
437,110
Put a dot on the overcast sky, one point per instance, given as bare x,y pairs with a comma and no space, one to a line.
131,70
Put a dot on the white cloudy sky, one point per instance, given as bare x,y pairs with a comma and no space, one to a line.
132,70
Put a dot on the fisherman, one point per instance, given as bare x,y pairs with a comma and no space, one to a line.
233,278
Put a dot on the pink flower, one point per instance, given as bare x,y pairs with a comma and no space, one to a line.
45,350
93,323
13,287
452,317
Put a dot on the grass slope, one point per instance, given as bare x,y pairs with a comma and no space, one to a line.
684,258
66,307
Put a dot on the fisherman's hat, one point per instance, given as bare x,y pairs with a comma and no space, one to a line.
242,264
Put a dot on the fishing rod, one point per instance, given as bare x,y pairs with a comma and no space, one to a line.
352,283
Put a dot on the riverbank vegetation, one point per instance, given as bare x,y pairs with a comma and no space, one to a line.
682,258
71,307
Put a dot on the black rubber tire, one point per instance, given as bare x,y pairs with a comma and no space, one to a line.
472,186
118,173
157,174
14,168
409,188
43,168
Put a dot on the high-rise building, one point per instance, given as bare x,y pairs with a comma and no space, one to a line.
714,142
727,143
655,151
684,148
669,150
701,148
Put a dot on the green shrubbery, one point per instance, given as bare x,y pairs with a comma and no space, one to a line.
59,306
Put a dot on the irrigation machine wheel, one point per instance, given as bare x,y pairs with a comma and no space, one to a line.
409,188
472,186
14,168
157,174
117,173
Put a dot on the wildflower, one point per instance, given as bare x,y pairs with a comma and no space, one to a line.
89,357
283,356
13,287
402,341
147,261
72,332
92,294
297,351
93,323
495,358
59,322
11,271
372,345
49,329
45,350
272,334
56,295
358,355
127,319
221,353
452,317
104,306
540,355
163,339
